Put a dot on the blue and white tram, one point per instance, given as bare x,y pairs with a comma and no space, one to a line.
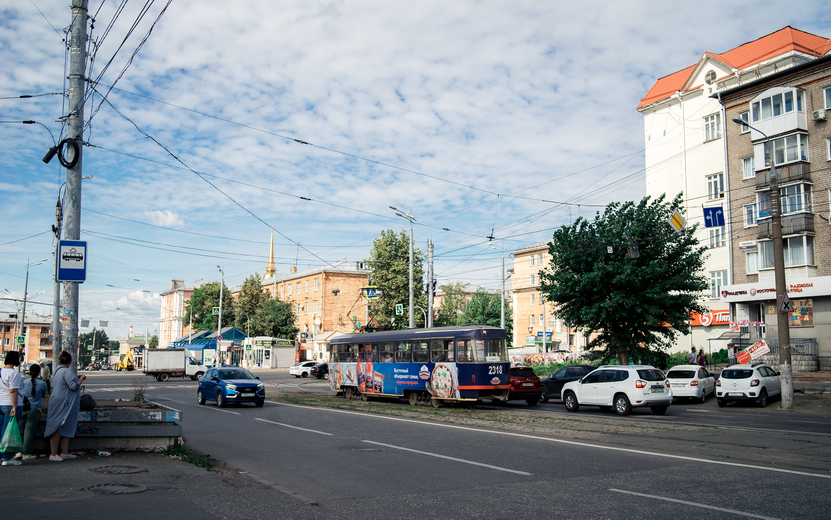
443,364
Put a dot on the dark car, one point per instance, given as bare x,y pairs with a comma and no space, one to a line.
525,385
320,371
552,385
230,385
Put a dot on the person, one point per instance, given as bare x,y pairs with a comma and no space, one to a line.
46,375
11,400
731,353
34,389
702,359
62,415
692,357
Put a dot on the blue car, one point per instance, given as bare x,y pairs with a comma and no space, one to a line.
230,385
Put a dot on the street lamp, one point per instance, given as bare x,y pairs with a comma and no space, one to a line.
23,314
782,318
410,219
219,324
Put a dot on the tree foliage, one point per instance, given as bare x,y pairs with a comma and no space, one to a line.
201,305
486,309
388,263
251,298
626,304
154,341
274,318
453,303
91,343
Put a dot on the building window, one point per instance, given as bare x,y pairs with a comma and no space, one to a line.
777,105
307,286
531,280
314,307
532,260
715,186
748,167
540,259
712,127
298,287
716,237
828,97
745,116
289,289
786,149
763,208
532,299
795,198
718,279
828,148
306,308
751,262
298,308
542,321
317,284
749,215
533,320
798,251
6,342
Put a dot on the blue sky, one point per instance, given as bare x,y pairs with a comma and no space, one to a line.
503,118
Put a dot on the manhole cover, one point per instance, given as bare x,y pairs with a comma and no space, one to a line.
117,489
118,470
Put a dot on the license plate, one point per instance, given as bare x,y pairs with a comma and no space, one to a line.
735,394
247,393
527,384
657,389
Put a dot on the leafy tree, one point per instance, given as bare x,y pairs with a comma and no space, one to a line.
628,302
251,298
274,318
486,309
201,305
115,345
89,340
453,305
389,263
154,342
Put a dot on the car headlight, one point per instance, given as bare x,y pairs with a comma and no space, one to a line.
230,386
260,386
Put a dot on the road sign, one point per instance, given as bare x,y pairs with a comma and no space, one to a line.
218,339
677,221
216,311
21,340
72,261
399,309
713,217
787,305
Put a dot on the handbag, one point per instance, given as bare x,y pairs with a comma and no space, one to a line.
11,441
27,406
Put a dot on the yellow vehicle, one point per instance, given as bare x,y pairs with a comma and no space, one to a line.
125,362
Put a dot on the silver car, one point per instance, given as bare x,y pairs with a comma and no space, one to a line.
691,381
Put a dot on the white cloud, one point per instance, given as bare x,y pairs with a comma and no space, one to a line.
164,218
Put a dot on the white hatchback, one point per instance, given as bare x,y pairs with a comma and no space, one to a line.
756,382
302,369
691,381
621,387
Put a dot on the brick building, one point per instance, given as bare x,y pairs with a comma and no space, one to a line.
38,345
171,326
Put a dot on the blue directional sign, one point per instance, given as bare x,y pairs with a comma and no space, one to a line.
72,261
713,217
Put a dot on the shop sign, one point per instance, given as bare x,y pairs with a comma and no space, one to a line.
710,318
760,348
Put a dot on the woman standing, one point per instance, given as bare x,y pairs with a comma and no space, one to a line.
34,389
11,402
62,415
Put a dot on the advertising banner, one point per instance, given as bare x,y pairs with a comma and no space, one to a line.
760,348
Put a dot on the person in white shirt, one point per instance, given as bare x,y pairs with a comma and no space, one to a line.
11,400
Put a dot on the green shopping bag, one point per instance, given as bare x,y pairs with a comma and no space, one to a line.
11,441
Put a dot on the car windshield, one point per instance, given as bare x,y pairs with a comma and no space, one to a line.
681,374
522,372
736,373
651,374
235,374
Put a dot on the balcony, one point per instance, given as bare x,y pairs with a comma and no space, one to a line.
791,225
793,172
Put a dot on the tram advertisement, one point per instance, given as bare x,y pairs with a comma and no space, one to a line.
440,379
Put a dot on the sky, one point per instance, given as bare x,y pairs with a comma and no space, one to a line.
480,118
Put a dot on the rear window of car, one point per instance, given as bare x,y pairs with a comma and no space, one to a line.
650,374
681,374
522,372
736,373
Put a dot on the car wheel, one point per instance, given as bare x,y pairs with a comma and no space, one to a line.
622,405
304,374
532,401
260,404
763,399
544,395
220,399
721,402
570,402
659,410
199,398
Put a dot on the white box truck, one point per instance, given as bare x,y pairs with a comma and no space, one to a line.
164,363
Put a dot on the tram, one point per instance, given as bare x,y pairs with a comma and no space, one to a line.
440,365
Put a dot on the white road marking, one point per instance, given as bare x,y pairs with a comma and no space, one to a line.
295,427
454,459
694,504
563,441
221,410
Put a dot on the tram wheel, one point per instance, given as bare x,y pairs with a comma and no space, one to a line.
364,397
436,402
412,398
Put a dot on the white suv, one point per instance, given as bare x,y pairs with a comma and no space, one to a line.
302,369
756,382
622,387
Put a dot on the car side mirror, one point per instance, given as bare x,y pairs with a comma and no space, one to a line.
214,378
258,378
778,374
582,381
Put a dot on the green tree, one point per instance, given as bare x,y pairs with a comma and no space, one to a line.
251,298
154,341
639,297
201,305
453,305
97,338
388,263
485,309
274,318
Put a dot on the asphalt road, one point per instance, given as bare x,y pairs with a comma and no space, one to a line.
369,465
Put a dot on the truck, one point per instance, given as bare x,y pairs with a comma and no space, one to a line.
164,363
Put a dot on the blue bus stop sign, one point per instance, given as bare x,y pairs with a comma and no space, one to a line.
72,261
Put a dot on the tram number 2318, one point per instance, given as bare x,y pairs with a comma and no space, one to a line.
494,369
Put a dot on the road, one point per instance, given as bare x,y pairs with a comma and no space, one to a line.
369,465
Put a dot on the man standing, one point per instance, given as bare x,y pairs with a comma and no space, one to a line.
692,358
731,353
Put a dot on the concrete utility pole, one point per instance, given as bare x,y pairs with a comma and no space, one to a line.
219,324
75,131
56,288
430,283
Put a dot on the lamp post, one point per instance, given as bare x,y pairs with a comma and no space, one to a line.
219,323
782,318
23,314
410,219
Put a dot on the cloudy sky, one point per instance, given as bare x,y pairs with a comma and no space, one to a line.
481,118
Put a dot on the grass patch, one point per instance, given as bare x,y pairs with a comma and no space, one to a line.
178,451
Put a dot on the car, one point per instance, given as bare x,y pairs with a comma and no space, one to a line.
757,382
230,385
302,369
691,381
525,385
320,371
552,386
620,387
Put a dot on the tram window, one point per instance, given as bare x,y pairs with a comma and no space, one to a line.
464,351
402,352
441,350
355,352
421,352
374,352
386,352
344,355
494,350
366,353
479,348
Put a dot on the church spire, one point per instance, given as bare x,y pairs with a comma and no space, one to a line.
269,271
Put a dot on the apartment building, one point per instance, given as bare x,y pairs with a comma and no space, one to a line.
684,129
37,344
787,114
171,326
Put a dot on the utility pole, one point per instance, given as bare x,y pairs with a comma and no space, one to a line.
219,324
430,282
56,288
75,132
